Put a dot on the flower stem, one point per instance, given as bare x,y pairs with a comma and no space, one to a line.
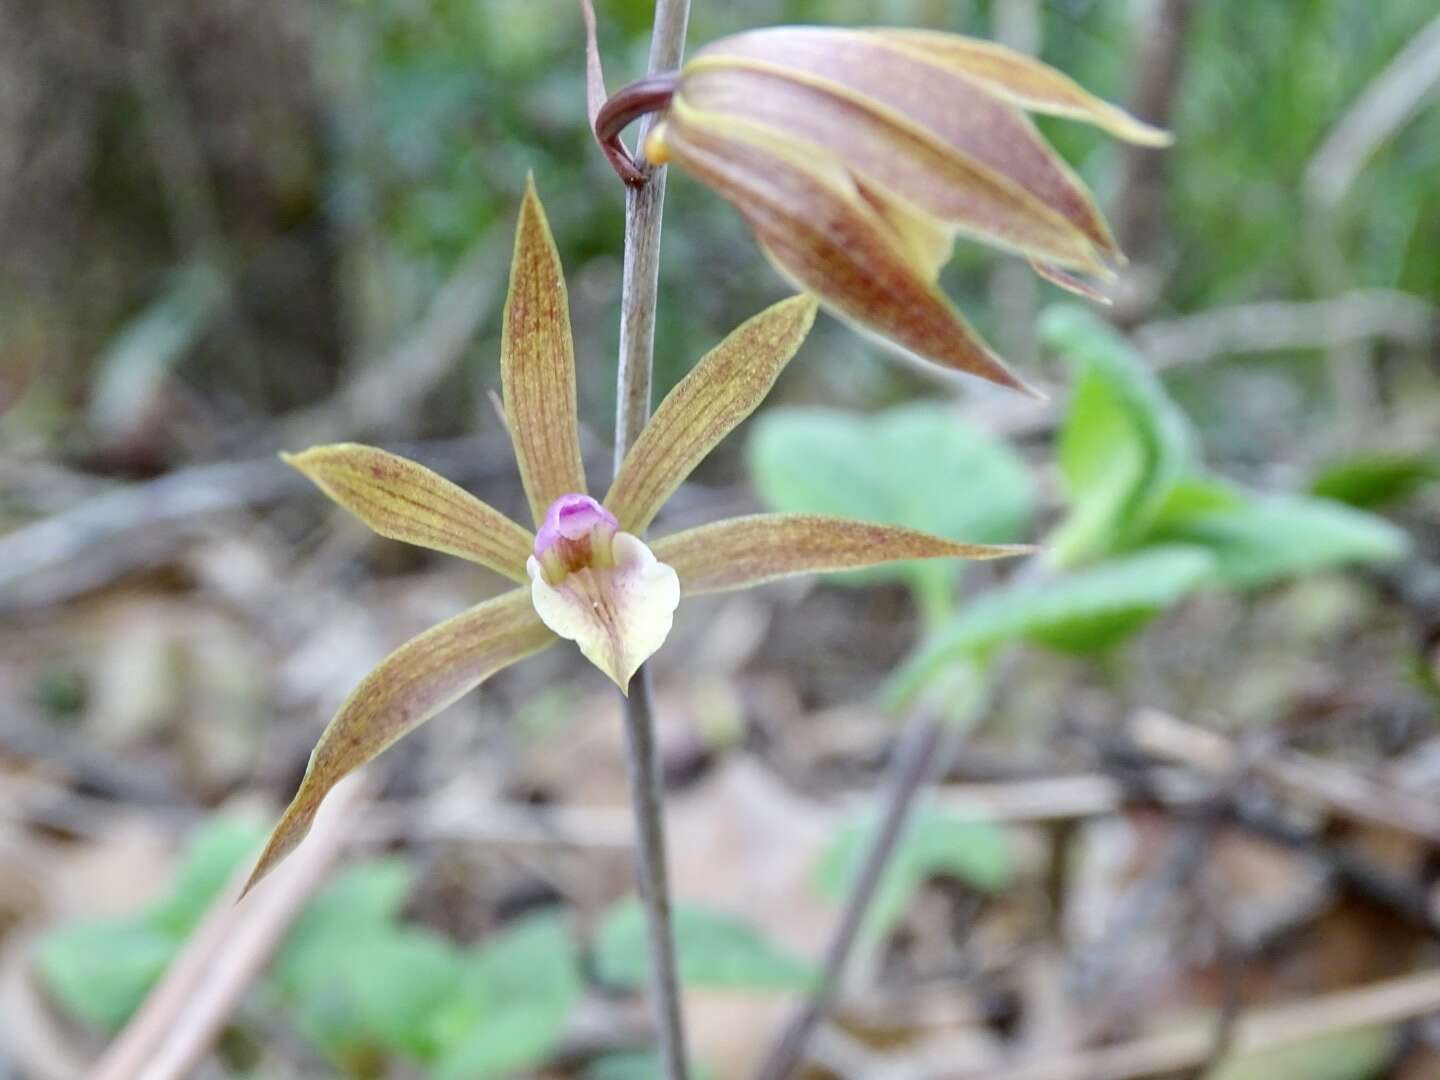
640,284
647,797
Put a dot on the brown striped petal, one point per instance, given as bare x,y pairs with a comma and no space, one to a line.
405,501
411,685
537,365
1025,82
935,98
745,551
722,390
890,152
821,231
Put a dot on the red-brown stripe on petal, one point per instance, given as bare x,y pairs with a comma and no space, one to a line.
890,151
958,109
817,228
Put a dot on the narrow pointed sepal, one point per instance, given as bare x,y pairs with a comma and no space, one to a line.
745,551
410,686
403,500
723,389
618,610
537,365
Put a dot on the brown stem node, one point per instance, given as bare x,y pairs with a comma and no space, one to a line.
624,107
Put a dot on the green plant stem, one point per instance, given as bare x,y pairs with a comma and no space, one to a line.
640,285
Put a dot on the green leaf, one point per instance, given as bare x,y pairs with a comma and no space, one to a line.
1374,480
213,856
327,967
516,992
1267,539
1080,612
1124,445
1344,1055
715,950
917,465
402,981
101,970
935,843
360,903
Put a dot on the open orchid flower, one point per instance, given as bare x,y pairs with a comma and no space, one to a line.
858,156
585,574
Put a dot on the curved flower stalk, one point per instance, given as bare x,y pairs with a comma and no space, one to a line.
584,573
858,157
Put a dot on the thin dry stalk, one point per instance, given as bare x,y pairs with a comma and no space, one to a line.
174,1029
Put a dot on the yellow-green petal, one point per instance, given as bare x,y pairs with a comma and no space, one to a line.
723,389
537,365
411,685
403,500
740,552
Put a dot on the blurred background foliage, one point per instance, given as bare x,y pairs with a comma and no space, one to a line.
230,228
261,240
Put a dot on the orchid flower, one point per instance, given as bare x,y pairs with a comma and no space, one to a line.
858,156
583,574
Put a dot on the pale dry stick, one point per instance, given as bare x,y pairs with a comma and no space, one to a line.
1381,109
140,525
502,823
639,291
1264,1029
174,1029
1355,317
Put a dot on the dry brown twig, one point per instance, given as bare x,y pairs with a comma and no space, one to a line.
173,1030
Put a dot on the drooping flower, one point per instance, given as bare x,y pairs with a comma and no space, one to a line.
857,157
584,572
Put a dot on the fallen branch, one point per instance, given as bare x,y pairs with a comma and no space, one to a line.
173,1030
1282,325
